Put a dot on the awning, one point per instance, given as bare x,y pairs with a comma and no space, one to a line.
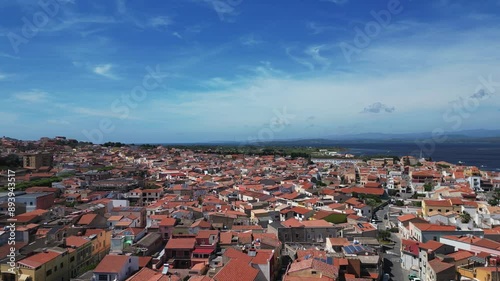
24,277
415,268
477,259
203,251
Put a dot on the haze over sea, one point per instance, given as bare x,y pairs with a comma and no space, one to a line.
478,154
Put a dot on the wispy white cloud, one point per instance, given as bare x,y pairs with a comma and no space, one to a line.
160,22
315,53
105,70
3,76
73,21
176,34
312,56
299,60
5,55
218,82
318,28
338,2
250,40
121,6
33,96
58,122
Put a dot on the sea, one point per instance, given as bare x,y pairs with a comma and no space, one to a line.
485,156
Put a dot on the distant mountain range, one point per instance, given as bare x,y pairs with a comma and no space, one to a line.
465,134
479,135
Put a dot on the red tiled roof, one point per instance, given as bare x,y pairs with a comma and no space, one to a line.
439,266
460,255
39,259
181,243
111,264
237,269
86,219
76,241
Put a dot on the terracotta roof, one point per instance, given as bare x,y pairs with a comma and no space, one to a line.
339,241
431,245
434,227
439,266
460,255
438,203
204,234
39,259
407,217
292,222
167,222
111,264
87,219
181,243
237,269
76,241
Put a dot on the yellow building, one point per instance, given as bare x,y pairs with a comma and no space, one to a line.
444,206
479,273
61,264
49,265
101,243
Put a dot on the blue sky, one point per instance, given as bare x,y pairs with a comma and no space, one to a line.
246,70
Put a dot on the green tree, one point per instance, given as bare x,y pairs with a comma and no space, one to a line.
465,217
428,186
399,203
384,235
493,202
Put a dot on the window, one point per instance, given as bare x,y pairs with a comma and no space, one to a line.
103,277
62,265
313,272
72,259
186,253
49,272
31,203
430,210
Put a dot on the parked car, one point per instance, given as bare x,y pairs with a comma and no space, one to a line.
386,277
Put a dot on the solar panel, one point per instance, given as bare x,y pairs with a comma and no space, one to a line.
349,249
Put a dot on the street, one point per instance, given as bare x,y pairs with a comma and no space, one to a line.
391,257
